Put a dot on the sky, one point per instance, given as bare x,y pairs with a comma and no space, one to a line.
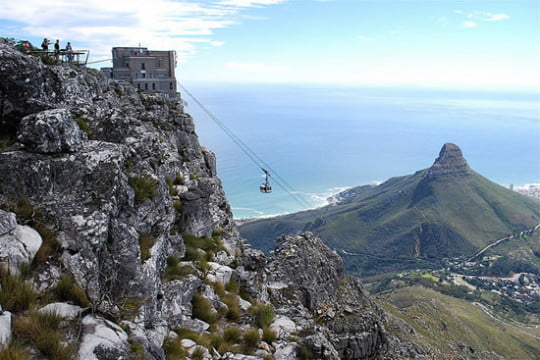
432,43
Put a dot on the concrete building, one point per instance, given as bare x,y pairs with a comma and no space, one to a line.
146,69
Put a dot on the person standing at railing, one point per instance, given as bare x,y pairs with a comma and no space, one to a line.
57,50
69,51
45,45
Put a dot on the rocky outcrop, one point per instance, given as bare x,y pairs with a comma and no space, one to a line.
310,266
334,309
136,239
450,161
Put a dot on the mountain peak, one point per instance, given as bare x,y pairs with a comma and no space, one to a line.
450,161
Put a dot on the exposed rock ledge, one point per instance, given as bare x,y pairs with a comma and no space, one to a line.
119,189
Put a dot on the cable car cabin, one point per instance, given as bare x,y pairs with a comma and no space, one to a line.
265,186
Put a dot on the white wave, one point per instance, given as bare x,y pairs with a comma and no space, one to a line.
258,212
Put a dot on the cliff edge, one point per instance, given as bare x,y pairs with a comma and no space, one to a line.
113,218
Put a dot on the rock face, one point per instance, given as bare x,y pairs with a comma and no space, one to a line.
310,265
333,308
134,223
450,161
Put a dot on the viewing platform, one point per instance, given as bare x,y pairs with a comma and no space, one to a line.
77,57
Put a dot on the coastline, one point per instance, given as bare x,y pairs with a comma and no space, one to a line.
531,190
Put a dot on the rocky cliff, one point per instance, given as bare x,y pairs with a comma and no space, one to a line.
117,242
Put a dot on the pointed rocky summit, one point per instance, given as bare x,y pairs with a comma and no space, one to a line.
449,162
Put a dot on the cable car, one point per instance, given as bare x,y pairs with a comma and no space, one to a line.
265,186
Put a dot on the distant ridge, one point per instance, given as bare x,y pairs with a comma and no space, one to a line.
446,210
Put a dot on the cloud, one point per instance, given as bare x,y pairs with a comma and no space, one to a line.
181,25
253,67
469,24
496,17
476,17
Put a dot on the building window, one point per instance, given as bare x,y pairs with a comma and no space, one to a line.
170,84
145,86
153,86
138,86
143,75
143,66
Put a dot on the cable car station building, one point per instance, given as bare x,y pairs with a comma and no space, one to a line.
145,69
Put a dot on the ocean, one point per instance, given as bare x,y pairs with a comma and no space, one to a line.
319,140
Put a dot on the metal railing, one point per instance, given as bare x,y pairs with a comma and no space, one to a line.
77,57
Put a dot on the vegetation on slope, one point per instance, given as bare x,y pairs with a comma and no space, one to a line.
408,222
457,326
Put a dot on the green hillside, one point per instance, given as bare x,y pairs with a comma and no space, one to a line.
447,210
457,327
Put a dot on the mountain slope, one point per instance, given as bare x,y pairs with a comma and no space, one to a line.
447,210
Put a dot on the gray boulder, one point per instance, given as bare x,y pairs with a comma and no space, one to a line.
102,340
8,222
19,246
51,132
5,328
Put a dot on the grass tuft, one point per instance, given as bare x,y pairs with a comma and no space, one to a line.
269,335
203,309
68,290
263,314
232,335
173,349
14,351
146,241
176,271
16,294
41,330
144,187
250,340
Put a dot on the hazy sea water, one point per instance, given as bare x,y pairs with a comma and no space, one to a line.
324,139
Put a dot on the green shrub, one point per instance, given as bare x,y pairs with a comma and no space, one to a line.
177,204
49,342
144,187
49,245
68,290
233,313
184,333
83,124
218,342
146,241
232,335
263,315
269,335
14,351
194,244
203,309
173,349
16,294
198,354
303,353
217,233
179,179
176,271
136,350
232,286
41,330
250,340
